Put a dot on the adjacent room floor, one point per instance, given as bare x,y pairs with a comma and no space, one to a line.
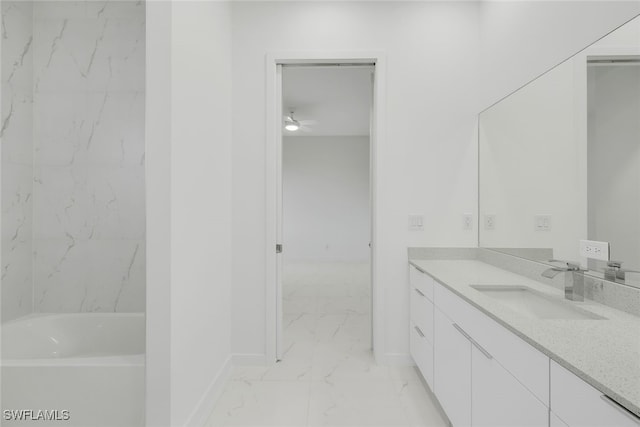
328,376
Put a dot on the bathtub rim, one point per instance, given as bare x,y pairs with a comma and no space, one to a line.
33,316
87,361
134,360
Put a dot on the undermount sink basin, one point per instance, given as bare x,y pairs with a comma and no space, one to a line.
534,304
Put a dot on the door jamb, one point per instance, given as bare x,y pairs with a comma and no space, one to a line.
273,147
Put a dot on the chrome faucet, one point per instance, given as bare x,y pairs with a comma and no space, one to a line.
573,280
615,271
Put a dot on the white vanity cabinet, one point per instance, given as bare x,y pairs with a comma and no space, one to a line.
578,404
499,399
473,387
452,382
484,374
421,314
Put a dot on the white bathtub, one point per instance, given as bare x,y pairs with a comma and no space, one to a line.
90,364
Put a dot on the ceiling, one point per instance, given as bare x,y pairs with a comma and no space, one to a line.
337,99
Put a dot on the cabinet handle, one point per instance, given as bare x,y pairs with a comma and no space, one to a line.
482,350
455,325
419,292
633,417
474,342
419,331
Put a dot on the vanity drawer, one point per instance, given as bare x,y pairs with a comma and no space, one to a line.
422,352
421,310
423,282
578,404
527,364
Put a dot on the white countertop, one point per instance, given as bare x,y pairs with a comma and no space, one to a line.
605,353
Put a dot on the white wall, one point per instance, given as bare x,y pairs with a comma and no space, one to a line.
189,174
523,39
326,198
158,201
533,158
531,163
201,202
430,51
435,84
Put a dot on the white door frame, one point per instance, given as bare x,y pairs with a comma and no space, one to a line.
273,178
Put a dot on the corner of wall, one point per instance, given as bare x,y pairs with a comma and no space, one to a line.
206,404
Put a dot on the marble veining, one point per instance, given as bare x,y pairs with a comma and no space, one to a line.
73,104
89,213
327,375
17,163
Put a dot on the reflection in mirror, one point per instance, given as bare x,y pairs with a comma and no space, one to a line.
613,156
560,161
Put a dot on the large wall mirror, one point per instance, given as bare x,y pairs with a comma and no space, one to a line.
560,160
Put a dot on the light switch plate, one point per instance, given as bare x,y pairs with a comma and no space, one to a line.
594,250
467,221
542,223
416,222
489,222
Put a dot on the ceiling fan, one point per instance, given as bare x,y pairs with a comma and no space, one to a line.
291,124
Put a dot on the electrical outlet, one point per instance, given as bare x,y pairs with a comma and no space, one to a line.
594,250
542,223
416,222
467,221
489,222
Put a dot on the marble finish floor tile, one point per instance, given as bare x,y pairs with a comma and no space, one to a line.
417,403
328,375
262,403
355,403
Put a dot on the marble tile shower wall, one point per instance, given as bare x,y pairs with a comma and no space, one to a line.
89,213
88,156
17,159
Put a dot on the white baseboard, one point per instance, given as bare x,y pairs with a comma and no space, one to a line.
249,359
399,359
204,407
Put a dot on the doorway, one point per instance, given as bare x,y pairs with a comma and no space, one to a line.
314,257
326,215
613,85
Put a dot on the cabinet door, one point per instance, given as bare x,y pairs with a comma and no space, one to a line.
422,353
421,309
421,281
581,405
529,365
498,399
452,370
